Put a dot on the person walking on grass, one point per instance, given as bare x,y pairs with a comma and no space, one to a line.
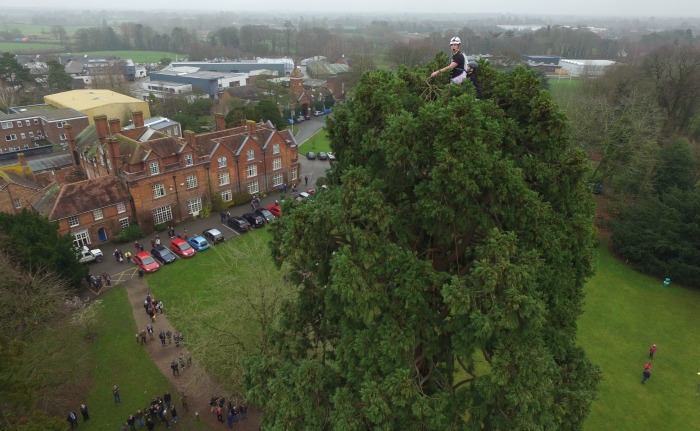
652,350
646,374
115,392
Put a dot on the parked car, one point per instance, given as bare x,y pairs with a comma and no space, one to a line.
299,119
163,255
331,157
238,224
146,262
290,121
199,243
318,113
267,215
322,156
214,236
326,111
182,248
302,196
310,155
86,255
255,220
276,210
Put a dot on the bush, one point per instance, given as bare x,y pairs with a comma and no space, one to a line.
131,233
161,227
206,212
241,199
217,204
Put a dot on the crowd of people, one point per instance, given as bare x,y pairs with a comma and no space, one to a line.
234,413
161,410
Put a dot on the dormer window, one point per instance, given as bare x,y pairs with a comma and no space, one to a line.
188,160
251,154
154,168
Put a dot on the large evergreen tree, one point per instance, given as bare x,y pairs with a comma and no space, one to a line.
441,272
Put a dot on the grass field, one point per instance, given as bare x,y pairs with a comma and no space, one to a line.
21,48
625,312
318,142
136,56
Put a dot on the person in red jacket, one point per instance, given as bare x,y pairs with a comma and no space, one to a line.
652,350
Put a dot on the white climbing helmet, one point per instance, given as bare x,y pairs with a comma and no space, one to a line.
455,40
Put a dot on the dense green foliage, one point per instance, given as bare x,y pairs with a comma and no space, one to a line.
130,233
441,272
58,80
36,244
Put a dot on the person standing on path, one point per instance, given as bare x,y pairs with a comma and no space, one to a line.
652,350
115,392
184,401
306,180
173,413
162,338
72,420
150,331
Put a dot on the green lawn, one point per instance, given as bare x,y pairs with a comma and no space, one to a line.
85,372
625,312
318,142
24,47
136,56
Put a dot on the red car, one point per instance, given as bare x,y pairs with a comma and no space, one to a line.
146,262
276,210
181,248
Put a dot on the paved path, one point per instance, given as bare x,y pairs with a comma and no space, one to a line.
198,384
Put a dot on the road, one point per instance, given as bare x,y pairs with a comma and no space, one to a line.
120,272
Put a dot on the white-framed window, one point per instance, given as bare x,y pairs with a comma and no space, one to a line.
250,154
73,221
191,181
222,162
63,136
7,124
253,187
277,180
188,160
277,164
31,134
98,214
224,178
11,137
294,174
23,135
155,169
252,170
276,149
194,205
27,123
121,207
17,202
36,121
19,123
158,191
59,124
162,214
81,238
227,195
124,222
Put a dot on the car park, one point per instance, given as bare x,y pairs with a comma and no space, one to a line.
267,215
276,210
146,262
238,224
182,248
199,243
322,156
214,236
310,155
163,255
255,220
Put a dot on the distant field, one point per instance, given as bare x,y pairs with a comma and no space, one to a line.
24,47
39,30
136,56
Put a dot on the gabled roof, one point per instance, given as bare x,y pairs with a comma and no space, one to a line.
88,195
45,200
7,178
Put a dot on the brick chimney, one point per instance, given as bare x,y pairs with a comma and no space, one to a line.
101,127
251,127
22,161
138,118
220,121
115,126
113,144
71,144
191,138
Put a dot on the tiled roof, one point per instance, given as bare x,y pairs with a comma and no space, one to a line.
85,196
12,178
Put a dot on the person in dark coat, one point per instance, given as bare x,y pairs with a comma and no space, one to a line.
84,412
72,420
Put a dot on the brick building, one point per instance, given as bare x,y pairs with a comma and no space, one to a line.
35,127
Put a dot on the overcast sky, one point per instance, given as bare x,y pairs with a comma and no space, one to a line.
645,8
